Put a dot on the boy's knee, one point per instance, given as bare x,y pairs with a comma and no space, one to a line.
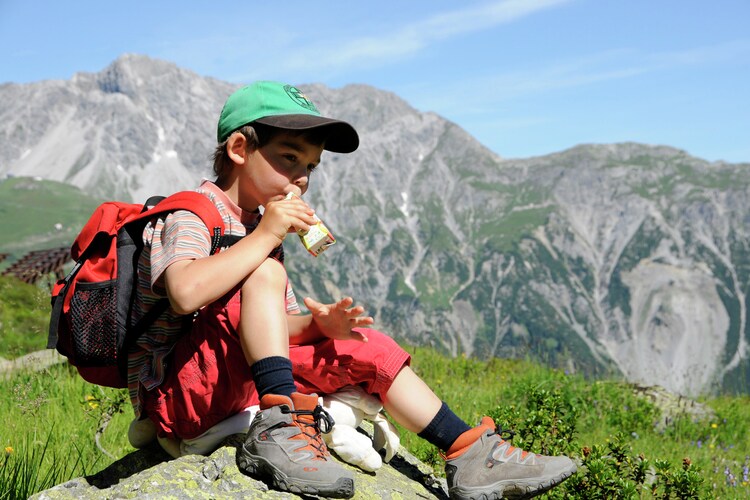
269,273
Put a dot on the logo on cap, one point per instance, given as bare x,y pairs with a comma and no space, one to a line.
300,98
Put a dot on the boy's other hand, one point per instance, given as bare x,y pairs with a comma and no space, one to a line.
337,320
282,216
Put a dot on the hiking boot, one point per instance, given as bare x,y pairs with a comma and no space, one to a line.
481,465
284,447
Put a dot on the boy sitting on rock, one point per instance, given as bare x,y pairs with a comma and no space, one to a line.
247,343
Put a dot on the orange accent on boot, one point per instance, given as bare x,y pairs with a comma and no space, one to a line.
468,438
307,424
304,401
270,400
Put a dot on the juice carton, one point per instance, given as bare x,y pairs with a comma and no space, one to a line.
318,238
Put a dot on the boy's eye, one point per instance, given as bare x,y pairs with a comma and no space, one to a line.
311,167
291,158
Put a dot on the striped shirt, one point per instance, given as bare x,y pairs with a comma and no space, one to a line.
180,235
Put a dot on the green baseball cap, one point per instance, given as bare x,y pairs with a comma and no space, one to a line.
282,106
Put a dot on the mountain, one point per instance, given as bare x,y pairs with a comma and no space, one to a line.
622,258
136,128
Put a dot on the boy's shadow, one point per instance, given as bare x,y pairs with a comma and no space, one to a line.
129,465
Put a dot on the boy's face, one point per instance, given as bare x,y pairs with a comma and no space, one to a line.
281,166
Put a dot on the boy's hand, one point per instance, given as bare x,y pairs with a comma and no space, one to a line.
336,321
282,216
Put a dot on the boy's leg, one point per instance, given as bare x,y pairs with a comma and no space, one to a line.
479,463
263,330
283,444
380,367
411,402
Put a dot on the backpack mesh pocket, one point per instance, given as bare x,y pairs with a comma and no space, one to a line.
94,323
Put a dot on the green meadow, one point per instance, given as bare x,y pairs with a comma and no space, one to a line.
56,427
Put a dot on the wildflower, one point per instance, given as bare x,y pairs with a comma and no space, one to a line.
8,450
686,463
699,444
714,425
92,402
731,480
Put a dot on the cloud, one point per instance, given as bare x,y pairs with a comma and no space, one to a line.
333,56
591,69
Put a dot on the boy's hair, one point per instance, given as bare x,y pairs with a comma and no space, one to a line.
258,135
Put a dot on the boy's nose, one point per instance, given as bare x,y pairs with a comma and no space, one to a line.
301,181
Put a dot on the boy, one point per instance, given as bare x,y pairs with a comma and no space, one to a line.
246,343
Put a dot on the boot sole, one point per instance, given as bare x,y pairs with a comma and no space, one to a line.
260,468
508,489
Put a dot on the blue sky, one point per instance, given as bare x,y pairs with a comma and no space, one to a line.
525,77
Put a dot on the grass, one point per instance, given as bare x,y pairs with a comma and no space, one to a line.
53,419
596,421
50,423
24,317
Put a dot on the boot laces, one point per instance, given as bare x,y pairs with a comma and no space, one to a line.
507,436
321,421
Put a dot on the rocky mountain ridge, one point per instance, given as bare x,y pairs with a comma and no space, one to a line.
623,258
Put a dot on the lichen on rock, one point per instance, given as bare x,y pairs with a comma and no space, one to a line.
150,473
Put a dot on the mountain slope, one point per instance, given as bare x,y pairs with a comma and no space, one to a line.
38,214
621,258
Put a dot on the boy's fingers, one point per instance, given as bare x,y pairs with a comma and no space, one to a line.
299,226
312,303
276,198
355,311
359,336
366,321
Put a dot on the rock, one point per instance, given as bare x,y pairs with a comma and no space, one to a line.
34,361
151,473
673,406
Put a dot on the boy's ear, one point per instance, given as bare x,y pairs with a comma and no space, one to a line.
237,148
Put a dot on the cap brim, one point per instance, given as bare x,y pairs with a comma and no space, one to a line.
342,137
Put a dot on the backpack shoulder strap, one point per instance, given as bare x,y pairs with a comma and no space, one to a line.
197,203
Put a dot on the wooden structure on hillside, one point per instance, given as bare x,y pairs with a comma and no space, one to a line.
39,264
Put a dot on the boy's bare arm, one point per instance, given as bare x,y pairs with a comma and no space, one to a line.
302,329
192,284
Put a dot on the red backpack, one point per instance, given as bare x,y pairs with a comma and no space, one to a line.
91,307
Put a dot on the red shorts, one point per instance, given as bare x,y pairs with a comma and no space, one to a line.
210,380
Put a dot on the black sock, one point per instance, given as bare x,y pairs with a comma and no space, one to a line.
273,375
444,428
